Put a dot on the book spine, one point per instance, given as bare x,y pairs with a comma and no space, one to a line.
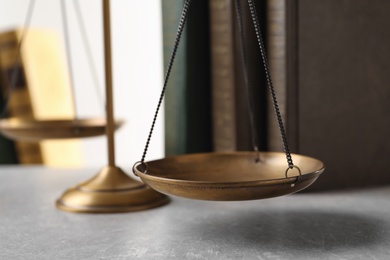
222,75
276,41
292,75
174,105
19,102
250,90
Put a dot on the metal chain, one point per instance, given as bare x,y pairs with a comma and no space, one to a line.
16,71
182,22
247,83
269,82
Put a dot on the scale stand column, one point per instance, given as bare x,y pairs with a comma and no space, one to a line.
111,190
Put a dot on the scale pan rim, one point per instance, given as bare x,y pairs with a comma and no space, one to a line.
35,130
229,189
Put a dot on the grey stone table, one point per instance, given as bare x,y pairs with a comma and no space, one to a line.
334,225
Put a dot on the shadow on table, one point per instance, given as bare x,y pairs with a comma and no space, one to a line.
291,230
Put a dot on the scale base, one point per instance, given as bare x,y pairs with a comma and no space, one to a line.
110,191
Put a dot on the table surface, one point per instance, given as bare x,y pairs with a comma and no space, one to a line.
351,224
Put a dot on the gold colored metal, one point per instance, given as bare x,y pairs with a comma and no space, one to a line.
38,130
229,176
108,71
110,191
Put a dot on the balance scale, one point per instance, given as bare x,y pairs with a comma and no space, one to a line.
207,176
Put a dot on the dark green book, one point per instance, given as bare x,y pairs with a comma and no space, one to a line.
188,94
175,126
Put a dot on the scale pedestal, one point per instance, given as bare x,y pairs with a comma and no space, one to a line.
110,191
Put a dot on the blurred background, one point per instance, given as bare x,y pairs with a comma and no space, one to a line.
329,62
137,68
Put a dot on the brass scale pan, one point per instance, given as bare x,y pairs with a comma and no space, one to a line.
37,130
229,176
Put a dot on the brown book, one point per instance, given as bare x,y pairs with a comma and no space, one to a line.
42,91
336,86
231,121
276,42
223,75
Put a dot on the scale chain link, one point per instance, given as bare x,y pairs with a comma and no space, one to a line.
256,24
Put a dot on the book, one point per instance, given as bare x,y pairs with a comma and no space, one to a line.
254,90
18,99
222,76
232,129
42,91
187,99
174,104
198,94
206,107
276,52
336,86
